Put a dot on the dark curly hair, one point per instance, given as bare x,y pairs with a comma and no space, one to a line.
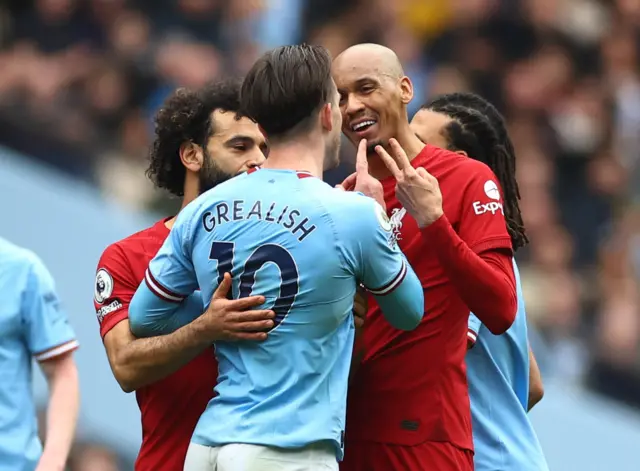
474,132
186,117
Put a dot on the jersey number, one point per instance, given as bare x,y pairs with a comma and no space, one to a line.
223,252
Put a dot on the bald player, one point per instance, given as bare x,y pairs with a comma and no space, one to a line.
447,215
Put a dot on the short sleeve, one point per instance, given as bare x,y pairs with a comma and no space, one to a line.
48,332
473,329
171,275
113,288
482,223
370,247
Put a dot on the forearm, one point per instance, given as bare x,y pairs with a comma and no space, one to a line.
149,315
62,415
140,362
486,286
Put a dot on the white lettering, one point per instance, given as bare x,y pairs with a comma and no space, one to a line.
103,311
492,207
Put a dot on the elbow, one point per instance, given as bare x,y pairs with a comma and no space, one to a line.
413,315
502,315
536,393
125,374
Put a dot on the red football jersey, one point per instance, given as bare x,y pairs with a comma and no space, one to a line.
170,408
412,386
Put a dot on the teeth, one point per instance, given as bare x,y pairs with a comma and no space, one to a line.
363,124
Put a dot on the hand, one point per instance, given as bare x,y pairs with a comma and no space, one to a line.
360,308
227,319
361,180
417,190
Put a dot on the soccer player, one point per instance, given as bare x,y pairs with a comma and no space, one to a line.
282,232
33,325
500,368
445,212
200,141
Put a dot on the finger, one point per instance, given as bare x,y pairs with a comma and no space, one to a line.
245,303
340,187
250,316
253,336
391,164
362,166
349,183
256,326
223,288
400,156
422,172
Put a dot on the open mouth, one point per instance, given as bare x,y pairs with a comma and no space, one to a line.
363,128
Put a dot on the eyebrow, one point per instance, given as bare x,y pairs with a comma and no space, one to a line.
361,81
239,139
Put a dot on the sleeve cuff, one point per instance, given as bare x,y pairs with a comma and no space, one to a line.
472,337
58,350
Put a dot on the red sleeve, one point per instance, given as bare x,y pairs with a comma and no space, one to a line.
487,283
113,289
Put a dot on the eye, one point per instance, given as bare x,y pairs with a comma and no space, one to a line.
367,89
240,147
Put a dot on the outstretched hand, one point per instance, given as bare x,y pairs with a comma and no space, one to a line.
227,319
361,180
416,189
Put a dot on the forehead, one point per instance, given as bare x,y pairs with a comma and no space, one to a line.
347,72
226,125
429,122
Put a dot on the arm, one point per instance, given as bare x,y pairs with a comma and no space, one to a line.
477,259
536,388
169,281
51,341
64,401
383,269
137,362
473,330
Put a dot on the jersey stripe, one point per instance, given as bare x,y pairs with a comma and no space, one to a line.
472,336
160,290
57,350
393,284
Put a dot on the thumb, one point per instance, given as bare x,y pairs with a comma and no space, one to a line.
223,287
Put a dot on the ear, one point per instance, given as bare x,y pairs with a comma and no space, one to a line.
191,156
406,90
326,118
461,152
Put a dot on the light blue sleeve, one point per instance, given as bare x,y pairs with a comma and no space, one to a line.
380,265
168,288
473,328
47,329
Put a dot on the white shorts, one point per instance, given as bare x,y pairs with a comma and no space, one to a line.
244,457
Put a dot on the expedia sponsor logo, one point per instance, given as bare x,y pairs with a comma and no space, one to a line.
108,309
492,207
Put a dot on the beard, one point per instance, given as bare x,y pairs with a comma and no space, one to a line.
371,146
332,153
211,175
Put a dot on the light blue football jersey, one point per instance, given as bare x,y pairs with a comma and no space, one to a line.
303,245
498,377
32,325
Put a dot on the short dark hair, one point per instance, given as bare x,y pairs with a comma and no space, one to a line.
186,117
284,88
474,132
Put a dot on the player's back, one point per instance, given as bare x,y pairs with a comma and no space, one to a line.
286,229
498,377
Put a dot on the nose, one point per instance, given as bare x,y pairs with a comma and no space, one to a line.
255,161
354,105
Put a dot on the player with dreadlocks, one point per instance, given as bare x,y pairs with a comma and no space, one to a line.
498,366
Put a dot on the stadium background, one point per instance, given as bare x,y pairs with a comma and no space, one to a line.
80,81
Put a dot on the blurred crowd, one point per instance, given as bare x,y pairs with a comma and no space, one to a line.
81,80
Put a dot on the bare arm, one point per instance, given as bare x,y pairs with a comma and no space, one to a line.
536,388
62,414
137,362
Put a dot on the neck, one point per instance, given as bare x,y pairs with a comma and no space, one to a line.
191,192
304,154
407,140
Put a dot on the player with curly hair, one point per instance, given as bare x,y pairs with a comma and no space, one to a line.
201,140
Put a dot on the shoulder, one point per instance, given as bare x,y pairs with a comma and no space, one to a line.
354,210
20,259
